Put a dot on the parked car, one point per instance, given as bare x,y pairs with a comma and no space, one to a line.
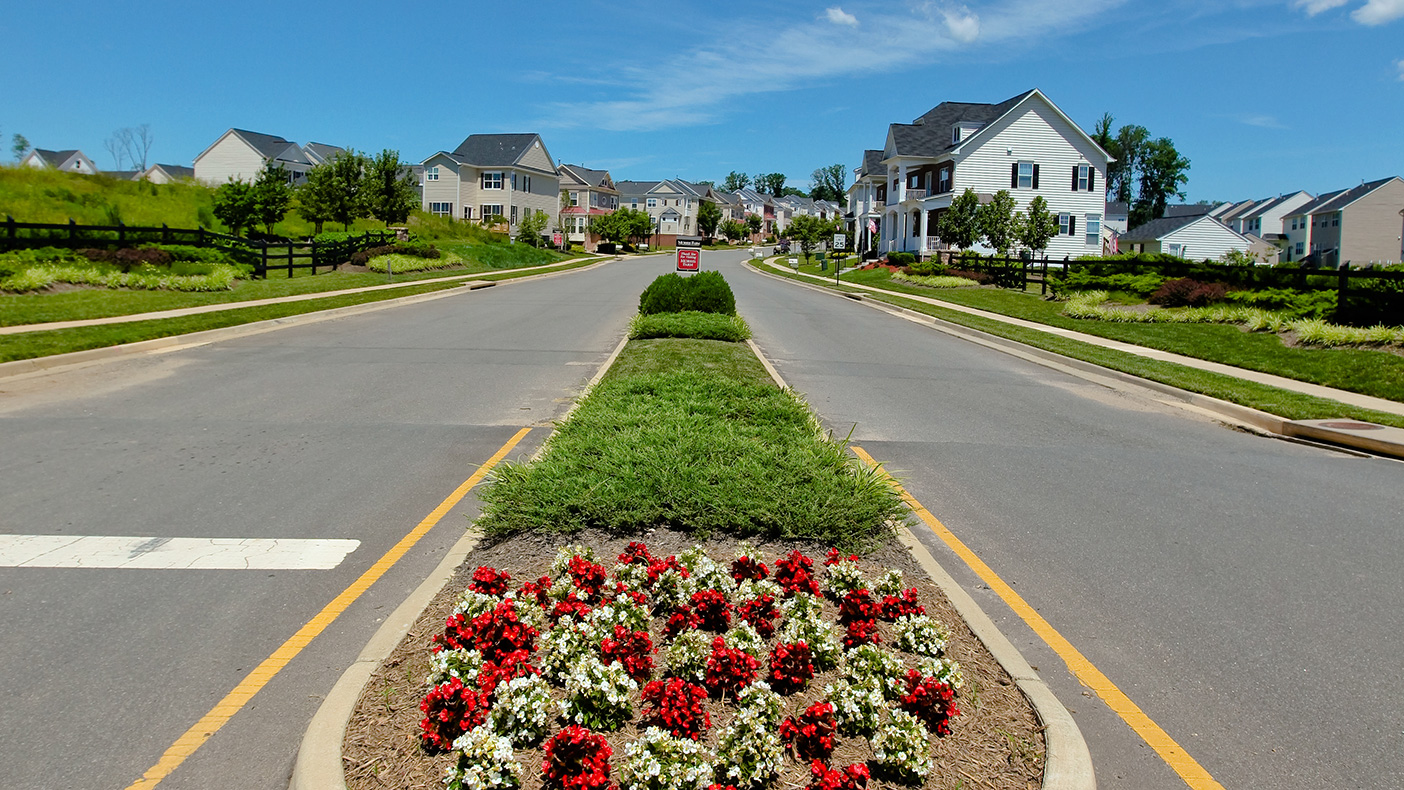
783,248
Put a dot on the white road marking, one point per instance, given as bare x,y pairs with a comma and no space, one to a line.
95,551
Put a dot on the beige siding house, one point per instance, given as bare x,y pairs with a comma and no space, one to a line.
585,194
165,174
1360,225
671,203
239,155
506,175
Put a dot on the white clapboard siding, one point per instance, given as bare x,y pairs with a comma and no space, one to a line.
1204,238
228,158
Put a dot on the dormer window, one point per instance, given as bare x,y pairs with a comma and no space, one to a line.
955,134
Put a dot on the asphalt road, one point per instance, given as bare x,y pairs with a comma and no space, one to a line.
1244,592
351,428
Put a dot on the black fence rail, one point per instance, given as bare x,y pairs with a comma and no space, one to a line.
263,255
1364,296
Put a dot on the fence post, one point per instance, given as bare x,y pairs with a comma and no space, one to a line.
121,232
1043,289
200,237
165,233
10,230
1342,286
314,257
263,269
72,230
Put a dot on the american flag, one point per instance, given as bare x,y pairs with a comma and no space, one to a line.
872,226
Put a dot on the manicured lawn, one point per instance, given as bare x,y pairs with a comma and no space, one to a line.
1284,403
693,434
1376,373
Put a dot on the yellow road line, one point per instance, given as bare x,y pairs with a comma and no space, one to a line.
210,723
1176,757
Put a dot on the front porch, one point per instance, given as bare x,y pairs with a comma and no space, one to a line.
912,226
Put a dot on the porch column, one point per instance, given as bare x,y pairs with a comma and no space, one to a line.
923,228
901,183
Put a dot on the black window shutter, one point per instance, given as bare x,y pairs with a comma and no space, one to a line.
1091,178
1035,178
1072,224
1014,176
1074,178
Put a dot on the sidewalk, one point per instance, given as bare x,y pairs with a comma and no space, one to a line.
1366,436
215,308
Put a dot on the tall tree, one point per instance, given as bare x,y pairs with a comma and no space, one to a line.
708,215
829,182
959,226
116,148
19,146
137,141
1128,148
389,188
1163,172
234,205
1038,227
317,196
271,196
754,223
808,231
770,183
995,221
735,181
348,200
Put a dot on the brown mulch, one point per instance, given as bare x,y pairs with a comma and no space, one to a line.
996,742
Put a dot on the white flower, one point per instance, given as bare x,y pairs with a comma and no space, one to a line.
843,577
461,664
687,656
902,745
889,584
660,761
597,696
919,634
522,711
485,762
858,707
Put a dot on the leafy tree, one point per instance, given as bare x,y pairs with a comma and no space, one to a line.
19,146
388,188
1163,172
770,183
959,225
735,181
347,179
234,205
995,220
531,227
733,230
626,224
708,216
829,183
788,191
317,196
271,196
754,223
808,231
1038,227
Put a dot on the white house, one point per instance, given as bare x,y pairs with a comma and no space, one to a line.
1024,145
73,161
867,199
1193,236
239,155
493,175
165,174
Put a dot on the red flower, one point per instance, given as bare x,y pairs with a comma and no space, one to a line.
509,667
577,759
636,553
728,669
810,736
861,632
489,581
743,568
931,701
495,634
795,575
858,605
572,606
854,777
682,619
632,649
635,596
791,667
833,558
760,613
450,709
588,577
712,609
677,707
536,591
658,567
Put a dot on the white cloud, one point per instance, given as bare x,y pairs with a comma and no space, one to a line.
1378,12
1400,64
963,25
1262,121
1314,7
840,17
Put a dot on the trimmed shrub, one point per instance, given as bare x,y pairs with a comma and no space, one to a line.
704,326
927,268
982,278
663,295
1187,292
901,258
704,292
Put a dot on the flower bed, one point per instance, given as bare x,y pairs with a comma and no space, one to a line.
618,702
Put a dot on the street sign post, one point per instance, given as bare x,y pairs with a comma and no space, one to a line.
689,253
840,241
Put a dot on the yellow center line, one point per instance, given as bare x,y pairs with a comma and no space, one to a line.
1176,757
210,723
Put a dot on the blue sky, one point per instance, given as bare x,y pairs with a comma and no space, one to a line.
1262,96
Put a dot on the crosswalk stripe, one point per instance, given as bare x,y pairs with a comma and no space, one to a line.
153,553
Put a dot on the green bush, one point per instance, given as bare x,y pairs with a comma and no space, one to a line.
927,268
901,258
1293,304
704,292
1141,285
704,326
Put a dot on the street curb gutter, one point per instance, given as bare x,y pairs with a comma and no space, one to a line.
1375,439
55,362
1067,763
319,762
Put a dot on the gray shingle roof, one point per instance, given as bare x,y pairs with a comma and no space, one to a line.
594,178
1159,228
270,145
1348,196
178,171
872,163
1190,210
321,152
1312,205
54,158
493,150
1117,207
930,135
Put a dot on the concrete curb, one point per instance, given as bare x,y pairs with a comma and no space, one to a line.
1375,439
319,763
23,367
1067,763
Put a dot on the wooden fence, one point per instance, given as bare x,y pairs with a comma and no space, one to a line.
262,254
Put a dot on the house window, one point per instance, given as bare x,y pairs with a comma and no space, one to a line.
441,209
1177,250
1301,247
514,215
1336,220
634,203
943,180
467,212
1094,228
914,181
1064,224
491,210
1025,176
431,173
492,180
652,203
526,183
1081,179
575,198
955,134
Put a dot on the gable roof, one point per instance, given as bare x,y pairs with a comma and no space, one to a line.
270,145
321,152
1188,210
493,150
1117,207
175,171
872,163
1160,228
1270,204
1347,196
1312,205
54,159
635,187
592,178
930,134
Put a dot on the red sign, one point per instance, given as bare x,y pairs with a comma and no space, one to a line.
556,239
689,260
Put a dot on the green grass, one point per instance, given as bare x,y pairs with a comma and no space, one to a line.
690,323
692,434
1368,372
40,343
1284,403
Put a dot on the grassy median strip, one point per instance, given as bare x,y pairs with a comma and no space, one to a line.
693,434
707,326
1274,400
